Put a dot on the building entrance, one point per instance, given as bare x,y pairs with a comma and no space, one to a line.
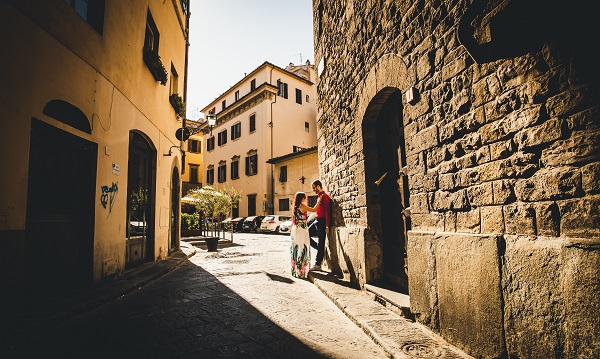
175,194
60,210
387,186
140,200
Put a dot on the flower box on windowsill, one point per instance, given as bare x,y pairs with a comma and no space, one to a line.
178,104
155,66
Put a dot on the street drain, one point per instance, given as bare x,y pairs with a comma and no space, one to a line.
421,351
380,300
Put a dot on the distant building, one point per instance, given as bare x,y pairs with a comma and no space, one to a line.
269,113
191,177
295,172
91,104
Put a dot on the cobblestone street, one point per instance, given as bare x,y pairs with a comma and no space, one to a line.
238,302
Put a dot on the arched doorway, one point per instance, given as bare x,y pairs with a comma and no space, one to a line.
140,200
175,194
387,187
60,211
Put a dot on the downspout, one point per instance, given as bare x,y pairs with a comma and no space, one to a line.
272,164
185,73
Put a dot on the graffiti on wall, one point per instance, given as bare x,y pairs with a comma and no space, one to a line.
108,195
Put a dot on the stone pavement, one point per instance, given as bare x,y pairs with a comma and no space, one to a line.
237,302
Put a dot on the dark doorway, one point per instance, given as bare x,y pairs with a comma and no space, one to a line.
251,205
387,187
60,210
140,200
175,194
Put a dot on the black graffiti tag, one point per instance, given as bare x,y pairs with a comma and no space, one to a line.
109,193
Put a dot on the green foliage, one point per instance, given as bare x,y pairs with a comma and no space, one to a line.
190,221
139,199
178,104
215,202
152,60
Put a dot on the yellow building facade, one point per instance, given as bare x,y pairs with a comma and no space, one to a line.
267,114
295,172
91,180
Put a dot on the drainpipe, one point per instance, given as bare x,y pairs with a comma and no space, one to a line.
272,164
185,71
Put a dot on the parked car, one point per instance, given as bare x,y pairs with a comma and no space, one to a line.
226,223
286,226
237,223
272,222
252,223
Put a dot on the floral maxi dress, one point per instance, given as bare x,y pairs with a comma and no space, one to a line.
300,248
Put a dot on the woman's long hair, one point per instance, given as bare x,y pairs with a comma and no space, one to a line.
298,198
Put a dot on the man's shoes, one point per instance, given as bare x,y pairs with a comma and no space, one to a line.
316,267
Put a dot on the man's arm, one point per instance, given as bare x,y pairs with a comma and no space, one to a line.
326,203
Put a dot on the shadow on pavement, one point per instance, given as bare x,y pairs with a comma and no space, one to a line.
280,278
331,277
187,313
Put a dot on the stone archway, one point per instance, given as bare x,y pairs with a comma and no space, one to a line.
380,115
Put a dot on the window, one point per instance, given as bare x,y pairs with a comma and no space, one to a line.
251,165
222,140
210,175
306,127
193,173
222,174
252,123
284,205
237,95
282,89
152,35
210,143
236,131
223,105
194,146
307,97
92,11
235,174
253,85
299,96
312,200
283,174
185,5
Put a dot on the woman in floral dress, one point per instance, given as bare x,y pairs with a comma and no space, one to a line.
300,247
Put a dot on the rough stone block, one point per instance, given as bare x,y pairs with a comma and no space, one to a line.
423,140
450,221
443,201
492,220
590,178
422,284
582,146
512,123
470,304
533,303
433,221
568,101
481,195
468,222
581,287
580,217
502,149
419,203
552,183
548,131
519,218
547,219
503,191
421,182
446,181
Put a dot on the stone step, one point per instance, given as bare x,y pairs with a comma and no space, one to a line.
397,302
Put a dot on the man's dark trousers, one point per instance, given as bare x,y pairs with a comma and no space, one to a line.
317,228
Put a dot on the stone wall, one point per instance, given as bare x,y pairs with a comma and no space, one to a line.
502,149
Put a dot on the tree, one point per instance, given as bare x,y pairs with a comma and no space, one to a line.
215,202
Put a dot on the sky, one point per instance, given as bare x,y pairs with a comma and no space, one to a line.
230,38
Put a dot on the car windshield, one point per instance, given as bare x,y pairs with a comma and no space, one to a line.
269,218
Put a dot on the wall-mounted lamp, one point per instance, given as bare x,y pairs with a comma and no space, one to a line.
211,118
170,148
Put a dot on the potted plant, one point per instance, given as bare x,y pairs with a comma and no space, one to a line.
155,65
178,104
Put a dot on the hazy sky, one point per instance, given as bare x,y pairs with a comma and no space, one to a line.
231,37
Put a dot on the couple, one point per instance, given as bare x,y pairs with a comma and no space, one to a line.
301,233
